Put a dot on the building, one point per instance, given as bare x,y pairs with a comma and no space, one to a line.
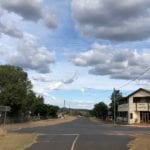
135,108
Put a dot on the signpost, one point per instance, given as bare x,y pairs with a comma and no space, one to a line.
5,109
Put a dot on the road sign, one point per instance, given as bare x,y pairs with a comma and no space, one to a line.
5,108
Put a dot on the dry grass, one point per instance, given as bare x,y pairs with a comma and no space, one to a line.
97,120
142,142
14,141
94,119
32,124
2,132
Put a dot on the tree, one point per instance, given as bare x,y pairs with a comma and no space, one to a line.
115,97
100,110
41,109
15,89
53,110
45,110
16,92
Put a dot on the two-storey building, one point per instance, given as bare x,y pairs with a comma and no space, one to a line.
135,108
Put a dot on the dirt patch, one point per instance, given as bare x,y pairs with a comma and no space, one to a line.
2,133
141,142
13,141
32,124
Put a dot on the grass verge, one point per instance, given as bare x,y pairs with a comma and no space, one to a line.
94,119
33,124
97,120
141,142
16,141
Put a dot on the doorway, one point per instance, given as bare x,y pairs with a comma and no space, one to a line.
145,117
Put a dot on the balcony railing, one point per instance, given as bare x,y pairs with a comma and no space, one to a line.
123,107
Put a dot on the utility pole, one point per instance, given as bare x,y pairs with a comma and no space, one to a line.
5,116
64,104
69,108
64,109
114,109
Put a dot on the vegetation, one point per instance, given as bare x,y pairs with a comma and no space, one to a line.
115,97
45,110
100,110
16,141
16,92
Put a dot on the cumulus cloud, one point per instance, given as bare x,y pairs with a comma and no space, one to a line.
117,63
55,85
41,78
2,49
113,19
8,26
31,56
31,10
82,104
10,31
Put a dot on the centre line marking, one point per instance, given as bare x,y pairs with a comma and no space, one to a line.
62,134
74,142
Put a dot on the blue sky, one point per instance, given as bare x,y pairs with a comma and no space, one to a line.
78,50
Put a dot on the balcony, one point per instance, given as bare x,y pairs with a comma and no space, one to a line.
123,107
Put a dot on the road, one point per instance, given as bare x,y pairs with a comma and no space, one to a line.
82,134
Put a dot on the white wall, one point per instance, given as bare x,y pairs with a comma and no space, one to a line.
132,107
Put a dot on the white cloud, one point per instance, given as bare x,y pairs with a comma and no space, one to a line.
31,11
82,90
55,85
117,63
41,78
31,56
113,19
10,30
53,98
2,49
82,104
9,24
50,19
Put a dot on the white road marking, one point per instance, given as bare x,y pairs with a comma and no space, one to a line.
74,142
62,134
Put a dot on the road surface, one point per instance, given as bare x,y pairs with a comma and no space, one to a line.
82,134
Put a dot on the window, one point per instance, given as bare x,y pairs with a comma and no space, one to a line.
131,116
123,114
141,99
123,101
136,99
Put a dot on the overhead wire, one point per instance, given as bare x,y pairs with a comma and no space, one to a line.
138,77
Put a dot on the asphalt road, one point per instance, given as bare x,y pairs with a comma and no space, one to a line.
82,134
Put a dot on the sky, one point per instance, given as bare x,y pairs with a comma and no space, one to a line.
78,50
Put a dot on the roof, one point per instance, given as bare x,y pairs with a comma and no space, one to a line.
140,89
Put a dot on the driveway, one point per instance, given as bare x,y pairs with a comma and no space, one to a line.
82,134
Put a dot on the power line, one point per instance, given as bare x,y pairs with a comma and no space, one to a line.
148,69
129,82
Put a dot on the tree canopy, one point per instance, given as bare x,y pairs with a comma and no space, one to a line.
115,97
16,92
14,88
100,110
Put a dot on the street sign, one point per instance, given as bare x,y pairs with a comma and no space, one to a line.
5,108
